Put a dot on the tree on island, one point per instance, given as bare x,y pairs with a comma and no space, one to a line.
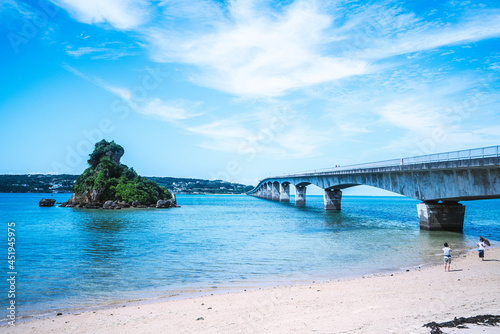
109,184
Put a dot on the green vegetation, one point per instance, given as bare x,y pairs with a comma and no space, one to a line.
63,183
105,149
200,186
114,181
37,183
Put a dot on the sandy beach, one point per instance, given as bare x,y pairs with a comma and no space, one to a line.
390,303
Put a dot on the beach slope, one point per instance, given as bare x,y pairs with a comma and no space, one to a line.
391,303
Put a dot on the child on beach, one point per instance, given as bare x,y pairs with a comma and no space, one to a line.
447,256
480,247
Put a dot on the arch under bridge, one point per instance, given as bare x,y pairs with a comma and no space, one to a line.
440,181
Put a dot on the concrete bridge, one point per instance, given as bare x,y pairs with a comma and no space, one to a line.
440,181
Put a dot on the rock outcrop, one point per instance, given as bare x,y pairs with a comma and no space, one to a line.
165,204
47,202
108,184
115,155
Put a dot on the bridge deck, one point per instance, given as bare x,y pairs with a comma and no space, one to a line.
447,177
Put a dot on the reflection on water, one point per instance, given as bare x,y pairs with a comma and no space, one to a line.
74,257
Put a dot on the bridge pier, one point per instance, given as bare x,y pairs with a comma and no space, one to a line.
446,216
332,199
285,192
300,195
275,191
270,191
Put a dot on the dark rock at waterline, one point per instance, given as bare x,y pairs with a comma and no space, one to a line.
163,204
436,330
47,202
117,205
91,206
110,205
123,204
482,320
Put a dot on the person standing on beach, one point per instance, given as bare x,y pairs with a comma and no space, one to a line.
447,256
480,247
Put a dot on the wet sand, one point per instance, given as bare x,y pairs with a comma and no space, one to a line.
384,303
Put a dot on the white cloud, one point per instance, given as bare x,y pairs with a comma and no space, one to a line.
99,52
121,14
247,48
203,11
169,111
412,115
257,54
224,135
431,35
253,50
490,131
442,118
20,7
448,53
276,136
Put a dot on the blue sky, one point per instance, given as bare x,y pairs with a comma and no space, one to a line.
240,90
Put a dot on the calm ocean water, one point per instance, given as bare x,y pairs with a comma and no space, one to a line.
72,258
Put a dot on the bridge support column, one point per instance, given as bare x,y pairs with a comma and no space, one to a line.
275,189
332,198
300,195
447,216
285,192
269,191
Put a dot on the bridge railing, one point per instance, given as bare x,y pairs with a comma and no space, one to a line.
476,153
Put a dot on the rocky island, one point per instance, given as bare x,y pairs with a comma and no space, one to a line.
108,184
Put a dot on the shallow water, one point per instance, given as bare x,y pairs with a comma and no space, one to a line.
72,258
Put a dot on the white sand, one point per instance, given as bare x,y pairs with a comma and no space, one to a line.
398,303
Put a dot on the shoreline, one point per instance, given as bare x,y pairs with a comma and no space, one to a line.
190,292
438,295
204,291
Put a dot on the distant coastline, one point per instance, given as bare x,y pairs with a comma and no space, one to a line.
63,183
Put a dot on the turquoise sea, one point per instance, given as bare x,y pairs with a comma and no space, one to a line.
67,259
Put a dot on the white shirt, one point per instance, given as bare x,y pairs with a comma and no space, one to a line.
446,251
480,246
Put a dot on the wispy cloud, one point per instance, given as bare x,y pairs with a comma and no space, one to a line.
422,36
121,14
257,54
100,52
169,111
275,135
446,116
250,49
412,115
7,5
447,53
201,11
378,67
